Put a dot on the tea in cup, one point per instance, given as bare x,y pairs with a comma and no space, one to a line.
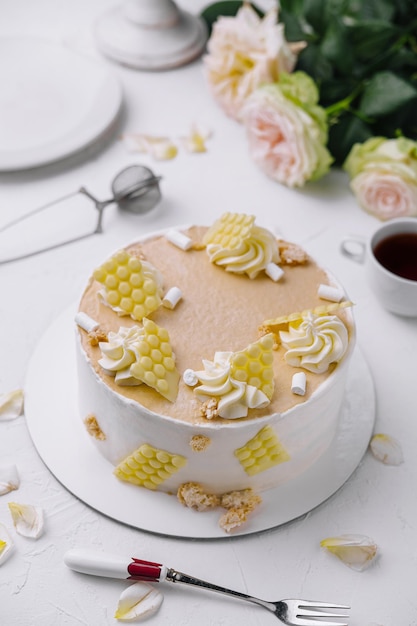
390,258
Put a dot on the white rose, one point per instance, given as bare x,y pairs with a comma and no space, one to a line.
243,52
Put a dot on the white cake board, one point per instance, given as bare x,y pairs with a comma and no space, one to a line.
63,444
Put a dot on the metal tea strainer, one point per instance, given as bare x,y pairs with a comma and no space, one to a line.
135,189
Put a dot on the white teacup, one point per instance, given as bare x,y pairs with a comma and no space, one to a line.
390,258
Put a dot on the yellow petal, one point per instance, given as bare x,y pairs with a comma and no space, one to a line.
9,479
11,404
162,149
6,544
27,519
195,141
386,449
138,601
356,551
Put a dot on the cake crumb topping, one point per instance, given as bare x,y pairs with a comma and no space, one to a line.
238,503
93,427
193,496
291,254
209,409
266,330
199,443
96,336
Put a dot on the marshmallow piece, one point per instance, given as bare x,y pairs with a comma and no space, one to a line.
85,322
171,298
326,292
179,239
298,384
274,271
190,378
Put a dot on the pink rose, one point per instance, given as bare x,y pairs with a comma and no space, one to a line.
244,52
385,195
287,130
383,176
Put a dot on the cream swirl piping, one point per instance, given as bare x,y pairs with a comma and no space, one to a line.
234,397
251,257
237,245
316,342
119,353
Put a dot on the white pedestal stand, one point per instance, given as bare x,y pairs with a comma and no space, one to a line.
150,34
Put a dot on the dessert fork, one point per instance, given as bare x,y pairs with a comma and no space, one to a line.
291,611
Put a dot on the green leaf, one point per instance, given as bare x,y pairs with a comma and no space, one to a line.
386,93
343,135
295,28
312,61
226,7
372,37
376,9
336,47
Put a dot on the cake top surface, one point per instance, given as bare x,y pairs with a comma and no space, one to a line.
226,313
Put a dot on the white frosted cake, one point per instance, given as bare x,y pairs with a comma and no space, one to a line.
212,363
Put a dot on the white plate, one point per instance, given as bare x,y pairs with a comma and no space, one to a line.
53,102
61,441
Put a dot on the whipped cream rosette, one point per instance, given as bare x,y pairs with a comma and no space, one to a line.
239,381
141,355
314,342
119,352
235,243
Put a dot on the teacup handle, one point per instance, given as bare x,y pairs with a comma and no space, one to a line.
354,248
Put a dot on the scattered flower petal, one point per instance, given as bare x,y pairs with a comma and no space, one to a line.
195,141
138,601
27,519
11,404
356,551
9,479
135,142
161,148
6,544
386,449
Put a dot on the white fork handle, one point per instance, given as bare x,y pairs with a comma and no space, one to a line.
113,566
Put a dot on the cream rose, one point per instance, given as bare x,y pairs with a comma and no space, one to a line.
383,175
243,52
287,130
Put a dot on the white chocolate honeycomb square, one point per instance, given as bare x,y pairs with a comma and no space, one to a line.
128,288
155,361
253,365
262,452
230,230
149,467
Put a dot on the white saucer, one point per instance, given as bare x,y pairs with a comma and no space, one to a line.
53,102
61,441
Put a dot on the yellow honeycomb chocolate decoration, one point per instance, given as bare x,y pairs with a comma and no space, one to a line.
128,287
298,316
262,452
149,467
155,361
253,365
230,230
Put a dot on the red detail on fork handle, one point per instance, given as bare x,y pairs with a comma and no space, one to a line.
144,570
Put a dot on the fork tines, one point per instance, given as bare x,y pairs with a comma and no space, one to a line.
321,610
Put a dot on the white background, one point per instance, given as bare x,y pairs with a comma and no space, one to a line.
36,588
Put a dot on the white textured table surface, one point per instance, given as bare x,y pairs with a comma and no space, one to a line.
36,588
